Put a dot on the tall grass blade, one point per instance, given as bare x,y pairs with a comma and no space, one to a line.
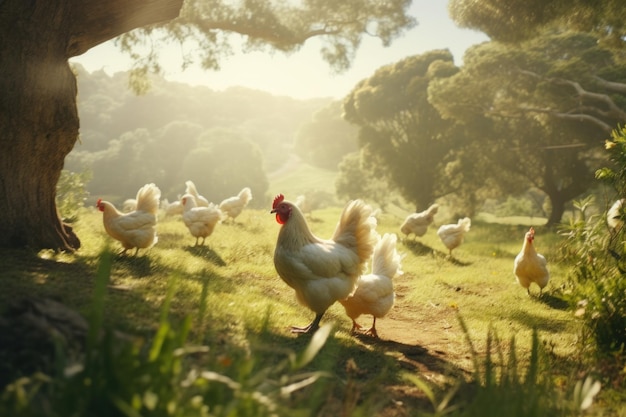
317,342
96,318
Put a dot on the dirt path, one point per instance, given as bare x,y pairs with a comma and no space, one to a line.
426,343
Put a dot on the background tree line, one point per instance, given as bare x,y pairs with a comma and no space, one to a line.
223,141
512,118
526,120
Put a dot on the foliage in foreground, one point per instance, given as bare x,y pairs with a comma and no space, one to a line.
72,193
500,387
124,377
598,283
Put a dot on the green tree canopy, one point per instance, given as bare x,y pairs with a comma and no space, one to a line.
209,30
326,139
224,164
403,137
515,20
547,107
38,114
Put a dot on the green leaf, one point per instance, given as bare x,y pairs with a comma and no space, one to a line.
317,342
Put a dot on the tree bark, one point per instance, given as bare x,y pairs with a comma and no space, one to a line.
558,209
39,121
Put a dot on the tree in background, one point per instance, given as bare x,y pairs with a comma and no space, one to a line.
403,137
324,141
38,114
548,104
223,164
356,181
515,20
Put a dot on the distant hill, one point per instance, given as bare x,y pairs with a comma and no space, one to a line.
127,139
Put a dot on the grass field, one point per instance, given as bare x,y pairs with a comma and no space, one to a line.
248,309
241,310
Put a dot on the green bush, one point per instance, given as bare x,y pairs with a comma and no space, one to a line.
166,376
71,193
501,386
597,253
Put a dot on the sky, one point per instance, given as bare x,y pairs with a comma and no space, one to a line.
304,74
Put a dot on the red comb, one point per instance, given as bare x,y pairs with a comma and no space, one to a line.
98,202
277,200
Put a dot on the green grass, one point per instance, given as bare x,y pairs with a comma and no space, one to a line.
303,178
242,310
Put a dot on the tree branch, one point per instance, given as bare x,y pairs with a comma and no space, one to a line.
251,30
581,117
614,111
610,85
98,21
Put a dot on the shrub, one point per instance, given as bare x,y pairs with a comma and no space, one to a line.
71,193
125,376
501,387
597,253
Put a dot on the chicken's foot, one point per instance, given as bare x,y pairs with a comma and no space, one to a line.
355,327
311,328
372,330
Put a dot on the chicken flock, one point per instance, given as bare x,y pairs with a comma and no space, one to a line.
355,267
135,227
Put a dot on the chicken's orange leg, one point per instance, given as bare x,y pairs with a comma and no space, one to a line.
355,326
372,331
315,324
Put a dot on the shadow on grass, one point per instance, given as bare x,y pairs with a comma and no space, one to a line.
24,274
413,357
553,301
456,261
372,367
140,265
207,253
417,247
532,321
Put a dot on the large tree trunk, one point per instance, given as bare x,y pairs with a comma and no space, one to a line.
558,208
38,115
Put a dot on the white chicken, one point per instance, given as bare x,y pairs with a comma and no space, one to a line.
129,205
303,204
136,229
452,235
417,223
200,221
233,206
191,189
530,266
322,271
172,209
614,216
375,294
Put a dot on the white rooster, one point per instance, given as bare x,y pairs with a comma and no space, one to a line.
530,266
233,206
452,235
136,229
322,271
191,189
375,294
200,221
417,223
